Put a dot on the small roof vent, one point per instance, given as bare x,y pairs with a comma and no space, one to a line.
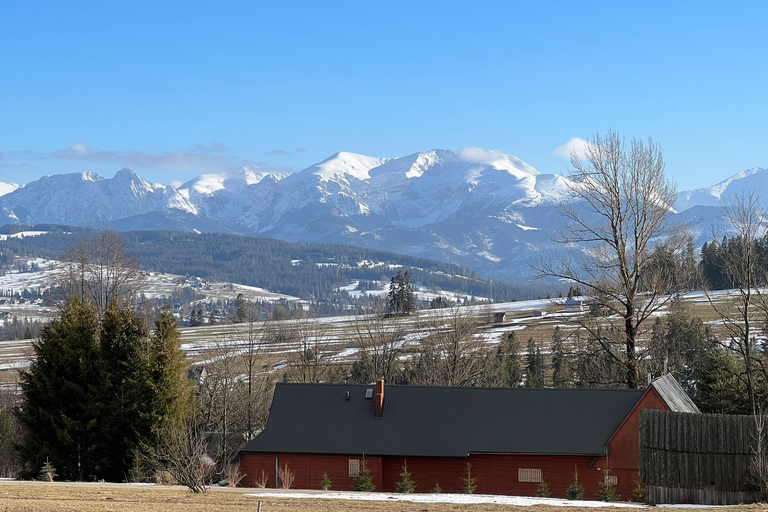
369,393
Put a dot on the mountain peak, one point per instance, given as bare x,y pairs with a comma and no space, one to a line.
344,163
754,179
126,174
496,159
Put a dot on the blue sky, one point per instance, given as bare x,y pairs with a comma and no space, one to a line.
175,89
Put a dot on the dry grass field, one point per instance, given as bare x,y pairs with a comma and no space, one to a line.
70,497
39,497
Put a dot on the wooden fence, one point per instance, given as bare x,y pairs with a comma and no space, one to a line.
698,458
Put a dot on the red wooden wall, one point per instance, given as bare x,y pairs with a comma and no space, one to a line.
307,469
495,474
624,452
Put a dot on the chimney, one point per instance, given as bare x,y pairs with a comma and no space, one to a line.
378,398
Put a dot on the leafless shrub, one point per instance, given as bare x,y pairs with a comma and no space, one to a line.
261,481
232,474
286,476
163,477
183,454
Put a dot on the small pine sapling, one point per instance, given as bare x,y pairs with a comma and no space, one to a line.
575,491
606,489
437,489
543,490
406,485
364,480
638,493
48,471
469,482
325,482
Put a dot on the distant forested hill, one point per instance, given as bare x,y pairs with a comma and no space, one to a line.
311,270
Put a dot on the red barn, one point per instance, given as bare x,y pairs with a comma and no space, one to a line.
512,437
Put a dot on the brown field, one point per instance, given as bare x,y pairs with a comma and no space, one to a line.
39,497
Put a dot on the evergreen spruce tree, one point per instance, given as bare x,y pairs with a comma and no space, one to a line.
325,482
561,372
575,491
534,370
241,312
60,412
126,421
543,490
392,301
405,485
468,483
48,471
364,480
170,394
408,303
510,372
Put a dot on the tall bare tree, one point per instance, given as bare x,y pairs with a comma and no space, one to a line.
308,342
99,271
380,342
743,315
622,202
256,394
453,354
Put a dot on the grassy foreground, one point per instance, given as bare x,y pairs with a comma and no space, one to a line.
38,497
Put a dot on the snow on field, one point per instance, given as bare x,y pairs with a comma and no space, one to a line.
22,234
154,284
419,292
459,499
16,365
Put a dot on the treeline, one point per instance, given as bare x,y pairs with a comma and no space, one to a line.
453,352
716,257
309,271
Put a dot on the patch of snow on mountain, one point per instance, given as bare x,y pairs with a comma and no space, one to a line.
753,180
342,164
7,188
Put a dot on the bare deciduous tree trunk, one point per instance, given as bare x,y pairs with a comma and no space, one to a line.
622,204
99,272
741,266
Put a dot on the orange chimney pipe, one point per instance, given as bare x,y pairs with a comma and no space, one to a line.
378,398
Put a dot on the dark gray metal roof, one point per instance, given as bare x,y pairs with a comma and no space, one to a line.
674,395
442,421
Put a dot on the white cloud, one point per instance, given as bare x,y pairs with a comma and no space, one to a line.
79,148
574,145
476,154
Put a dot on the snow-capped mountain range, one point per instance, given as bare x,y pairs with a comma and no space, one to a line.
478,208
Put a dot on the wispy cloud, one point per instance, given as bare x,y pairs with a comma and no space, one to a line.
285,152
201,158
575,145
213,147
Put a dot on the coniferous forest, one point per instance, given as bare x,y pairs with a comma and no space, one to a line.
308,271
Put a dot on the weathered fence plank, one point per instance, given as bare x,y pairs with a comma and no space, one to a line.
697,458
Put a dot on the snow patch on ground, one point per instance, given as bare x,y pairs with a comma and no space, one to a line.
22,234
460,499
